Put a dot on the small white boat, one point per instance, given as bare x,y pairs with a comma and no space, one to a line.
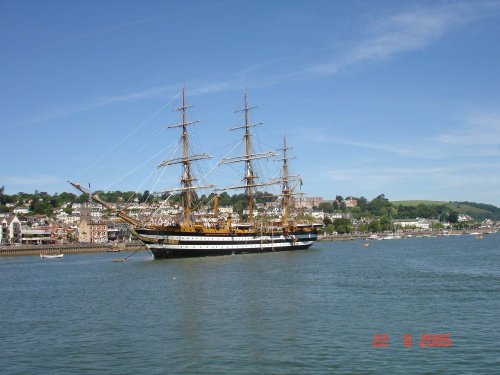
51,256
391,237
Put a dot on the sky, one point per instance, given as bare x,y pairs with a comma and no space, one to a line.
400,98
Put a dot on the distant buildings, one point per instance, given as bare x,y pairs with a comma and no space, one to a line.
308,202
351,202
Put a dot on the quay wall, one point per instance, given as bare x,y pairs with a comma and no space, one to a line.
9,251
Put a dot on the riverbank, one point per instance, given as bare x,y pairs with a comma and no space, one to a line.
27,250
406,234
30,250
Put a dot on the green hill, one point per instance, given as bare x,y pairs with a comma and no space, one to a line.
478,211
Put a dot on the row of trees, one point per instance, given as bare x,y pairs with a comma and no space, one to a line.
381,207
38,202
44,203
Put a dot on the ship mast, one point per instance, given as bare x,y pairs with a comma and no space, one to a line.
249,177
186,159
285,190
186,174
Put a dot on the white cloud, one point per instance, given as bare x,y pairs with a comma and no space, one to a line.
480,130
143,21
167,91
404,32
395,34
416,148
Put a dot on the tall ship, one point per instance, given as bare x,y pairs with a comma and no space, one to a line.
209,233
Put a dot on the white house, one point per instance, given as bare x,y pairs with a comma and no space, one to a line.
226,209
417,223
463,217
10,230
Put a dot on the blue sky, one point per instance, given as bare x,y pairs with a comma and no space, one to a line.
400,98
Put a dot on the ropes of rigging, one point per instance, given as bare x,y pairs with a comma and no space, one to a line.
113,148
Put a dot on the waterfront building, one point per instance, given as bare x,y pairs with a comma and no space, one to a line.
32,236
91,229
10,230
417,223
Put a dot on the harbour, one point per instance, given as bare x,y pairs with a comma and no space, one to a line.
306,312
250,187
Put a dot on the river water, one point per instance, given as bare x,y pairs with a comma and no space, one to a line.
305,312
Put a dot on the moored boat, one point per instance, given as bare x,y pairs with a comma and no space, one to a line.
194,235
51,256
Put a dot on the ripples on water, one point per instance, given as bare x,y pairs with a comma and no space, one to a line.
308,312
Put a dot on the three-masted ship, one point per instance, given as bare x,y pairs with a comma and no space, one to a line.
193,237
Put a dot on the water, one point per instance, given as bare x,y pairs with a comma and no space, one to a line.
307,312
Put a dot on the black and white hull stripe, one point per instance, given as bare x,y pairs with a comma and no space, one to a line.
164,245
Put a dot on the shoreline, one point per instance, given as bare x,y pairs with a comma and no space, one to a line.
36,250
409,234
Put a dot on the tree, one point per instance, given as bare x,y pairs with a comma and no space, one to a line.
329,229
374,226
326,207
2,197
144,197
379,206
453,217
342,225
385,223
362,203
362,227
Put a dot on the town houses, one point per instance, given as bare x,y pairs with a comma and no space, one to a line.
88,222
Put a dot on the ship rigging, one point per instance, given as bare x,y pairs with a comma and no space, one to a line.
190,236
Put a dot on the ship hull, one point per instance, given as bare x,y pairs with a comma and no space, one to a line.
165,244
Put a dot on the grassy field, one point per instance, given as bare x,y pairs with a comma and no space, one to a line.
417,202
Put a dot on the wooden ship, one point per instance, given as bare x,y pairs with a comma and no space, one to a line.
193,237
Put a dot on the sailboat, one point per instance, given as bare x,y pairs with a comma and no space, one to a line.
195,236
